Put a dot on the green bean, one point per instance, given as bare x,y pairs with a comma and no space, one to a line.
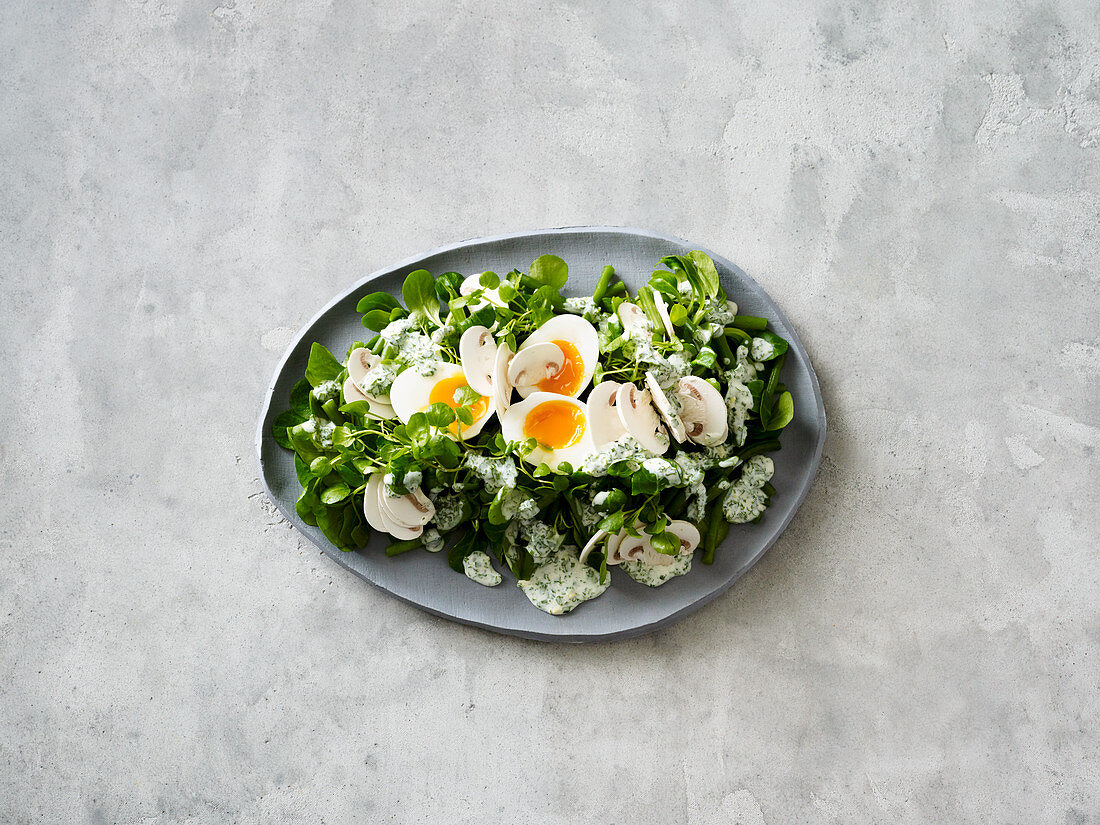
616,289
675,507
398,547
376,345
603,283
769,491
724,350
756,449
717,529
749,322
741,336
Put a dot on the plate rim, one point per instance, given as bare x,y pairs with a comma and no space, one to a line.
338,555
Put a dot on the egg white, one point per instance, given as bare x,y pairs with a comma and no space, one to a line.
576,331
511,426
411,393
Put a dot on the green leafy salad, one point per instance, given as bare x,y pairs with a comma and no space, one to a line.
553,439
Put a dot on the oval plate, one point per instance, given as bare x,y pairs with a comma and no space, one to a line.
626,608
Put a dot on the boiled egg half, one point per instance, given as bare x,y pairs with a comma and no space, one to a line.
558,423
412,393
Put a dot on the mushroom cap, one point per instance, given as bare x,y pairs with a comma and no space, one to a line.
409,511
688,534
640,419
502,387
634,319
477,352
664,407
603,414
704,411
534,364
360,361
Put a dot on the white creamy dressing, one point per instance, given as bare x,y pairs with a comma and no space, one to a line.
719,312
738,397
479,568
655,575
495,473
746,500
378,379
542,540
762,350
562,583
413,347
326,391
448,511
433,540
320,428
585,307
624,448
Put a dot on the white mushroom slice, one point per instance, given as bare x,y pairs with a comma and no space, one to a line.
688,534
662,311
703,411
592,542
640,419
732,307
360,362
535,363
634,548
410,511
472,284
603,415
477,352
352,392
635,321
380,410
612,550
370,504
502,387
664,407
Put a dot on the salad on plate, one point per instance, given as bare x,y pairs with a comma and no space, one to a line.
551,439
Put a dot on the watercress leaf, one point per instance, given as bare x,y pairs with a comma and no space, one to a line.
755,387
301,470
565,468
465,415
708,274
418,292
507,292
376,300
613,523
782,412
376,319
489,280
336,493
465,396
550,270
779,345
322,365
353,477
360,535
416,428
440,414
678,314
484,317
299,398
447,285
542,470
446,451
356,407
320,466
667,544
283,420
644,482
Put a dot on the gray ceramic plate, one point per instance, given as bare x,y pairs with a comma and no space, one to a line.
627,608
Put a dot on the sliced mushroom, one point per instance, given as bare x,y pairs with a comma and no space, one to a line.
477,351
704,411
502,387
635,321
472,284
662,311
632,548
592,542
612,550
603,414
732,307
640,419
664,407
688,534
371,504
411,511
381,410
535,363
360,362
352,391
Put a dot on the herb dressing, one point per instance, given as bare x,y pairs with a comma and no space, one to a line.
562,583
479,568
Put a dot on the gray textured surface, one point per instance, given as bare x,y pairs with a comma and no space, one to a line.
917,187
628,608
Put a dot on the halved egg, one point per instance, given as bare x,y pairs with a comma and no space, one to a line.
579,348
412,392
557,422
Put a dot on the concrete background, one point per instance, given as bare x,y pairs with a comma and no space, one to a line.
184,184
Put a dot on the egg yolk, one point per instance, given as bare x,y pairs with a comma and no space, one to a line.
567,380
555,424
445,391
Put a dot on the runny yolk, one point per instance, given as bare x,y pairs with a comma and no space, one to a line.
445,391
567,380
555,424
